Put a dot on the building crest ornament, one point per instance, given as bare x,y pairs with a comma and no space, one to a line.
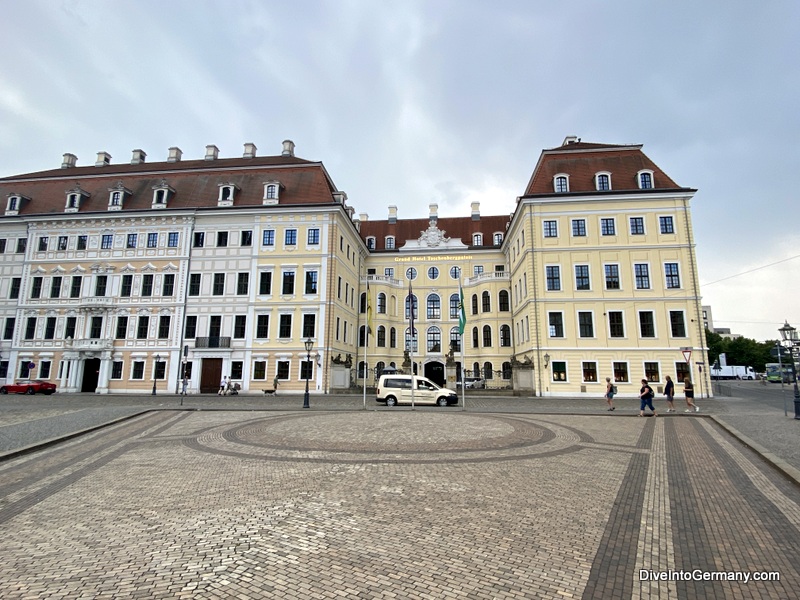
433,236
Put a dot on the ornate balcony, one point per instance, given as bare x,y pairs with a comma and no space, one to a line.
90,344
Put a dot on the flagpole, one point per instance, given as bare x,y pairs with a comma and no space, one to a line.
366,342
411,339
462,327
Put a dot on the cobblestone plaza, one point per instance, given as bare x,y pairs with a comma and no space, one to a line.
396,504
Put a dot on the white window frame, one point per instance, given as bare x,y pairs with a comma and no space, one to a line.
680,275
624,335
578,325
477,239
597,177
639,324
672,219
685,324
272,192
649,275
233,188
553,371
600,226
370,241
572,228
630,224
596,370
555,183
575,276
544,228
563,325
605,276
639,179
389,242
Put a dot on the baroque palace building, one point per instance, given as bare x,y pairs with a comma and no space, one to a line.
123,277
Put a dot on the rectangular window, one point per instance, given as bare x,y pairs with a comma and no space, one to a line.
556,320
579,227
138,370
262,326
147,284
311,282
306,369
55,287
107,241
243,284
163,326
651,372
30,328
313,237
641,273
116,369
559,370
236,369
44,369
666,225
677,323
259,370
647,324
194,284
69,327
285,328
142,327
191,327
96,328
219,284
290,237
288,283
152,240
22,245
168,288
63,241
265,283
620,372
589,372
582,277
616,327
553,278
612,277
222,239
100,285
637,225
585,324
43,244
550,228
82,242
3,245
75,286
131,241
199,239
16,284
50,328
8,332
172,239
246,239
388,272
122,328
268,237
672,276
309,326
126,286
239,327
282,371
608,227
682,371
36,287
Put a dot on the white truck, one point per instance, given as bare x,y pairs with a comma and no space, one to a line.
732,372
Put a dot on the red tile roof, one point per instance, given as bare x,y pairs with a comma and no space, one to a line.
453,227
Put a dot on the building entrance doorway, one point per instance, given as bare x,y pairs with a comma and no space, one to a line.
435,372
210,375
91,375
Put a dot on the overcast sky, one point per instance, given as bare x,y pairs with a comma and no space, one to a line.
446,101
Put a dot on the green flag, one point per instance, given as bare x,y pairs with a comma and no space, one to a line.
462,314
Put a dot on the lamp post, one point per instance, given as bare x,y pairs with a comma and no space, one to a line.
155,373
309,343
790,340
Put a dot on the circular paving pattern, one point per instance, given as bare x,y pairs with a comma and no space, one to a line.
381,436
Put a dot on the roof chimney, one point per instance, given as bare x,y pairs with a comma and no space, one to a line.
138,157
392,215
288,148
103,159
570,139
175,154
68,161
476,211
249,150
363,217
212,152
433,212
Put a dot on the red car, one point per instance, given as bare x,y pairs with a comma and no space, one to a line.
28,387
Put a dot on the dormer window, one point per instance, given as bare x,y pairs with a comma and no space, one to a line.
370,243
645,180
477,239
561,184
74,198
602,182
272,191
117,195
498,239
14,203
162,192
389,242
227,191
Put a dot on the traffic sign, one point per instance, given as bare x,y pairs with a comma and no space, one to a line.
687,354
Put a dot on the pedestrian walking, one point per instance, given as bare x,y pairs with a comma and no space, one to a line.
275,385
184,385
688,390
669,392
610,391
223,383
646,398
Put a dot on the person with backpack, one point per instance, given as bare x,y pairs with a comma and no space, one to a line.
669,392
646,396
610,391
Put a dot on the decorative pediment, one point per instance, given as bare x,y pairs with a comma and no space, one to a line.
432,238
129,268
170,268
148,268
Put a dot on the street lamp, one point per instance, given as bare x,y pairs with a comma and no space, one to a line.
155,373
790,340
309,343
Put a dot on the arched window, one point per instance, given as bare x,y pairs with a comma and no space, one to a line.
474,337
434,307
498,239
474,304
476,369
506,370
381,336
409,340
454,302
486,302
362,367
434,339
379,368
412,299
487,336
603,181
381,303
455,340
362,303
362,335
392,338
488,373
503,304
389,242
477,239
370,243
505,336
561,184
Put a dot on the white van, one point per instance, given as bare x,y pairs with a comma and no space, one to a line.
396,389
